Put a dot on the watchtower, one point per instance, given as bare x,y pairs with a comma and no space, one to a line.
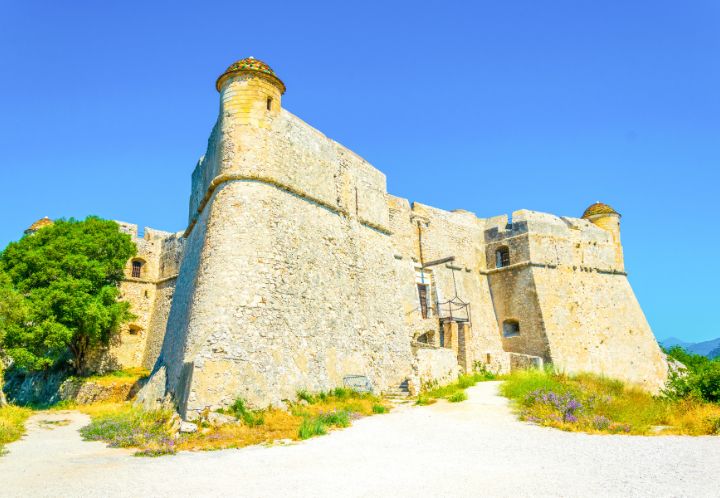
608,219
249,91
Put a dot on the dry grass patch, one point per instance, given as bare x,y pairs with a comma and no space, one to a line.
595,404
12,424
127,376
154,432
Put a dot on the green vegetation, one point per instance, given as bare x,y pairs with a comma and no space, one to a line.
591,403
319,424
59,292
155,432
12,424
457,397
249,417
378,409
454,392
128,426
700,381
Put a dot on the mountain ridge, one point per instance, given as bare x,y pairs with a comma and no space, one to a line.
710,348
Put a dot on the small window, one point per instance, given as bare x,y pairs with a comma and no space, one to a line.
511,328
502,257
423,295
134,330
269,103
137,268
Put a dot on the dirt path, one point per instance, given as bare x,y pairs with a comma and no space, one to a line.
474,448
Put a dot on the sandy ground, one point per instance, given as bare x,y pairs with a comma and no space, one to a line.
474,448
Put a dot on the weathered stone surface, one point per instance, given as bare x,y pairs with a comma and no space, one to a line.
297,269
219,419
47,388
436,366
187,427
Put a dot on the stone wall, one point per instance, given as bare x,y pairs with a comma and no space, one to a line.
423,234
568,290
297,269
138,341
436,367
288,279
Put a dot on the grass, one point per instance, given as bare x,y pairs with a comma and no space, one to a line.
127,426
249,417
454,392
153,434
12,424
595,404
127,376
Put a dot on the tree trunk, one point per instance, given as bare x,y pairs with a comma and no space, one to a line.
3,401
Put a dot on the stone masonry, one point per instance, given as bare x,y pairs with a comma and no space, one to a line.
299,271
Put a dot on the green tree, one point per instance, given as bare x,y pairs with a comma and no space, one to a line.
13,314
67,277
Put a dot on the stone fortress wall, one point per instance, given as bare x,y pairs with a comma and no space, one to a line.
298,270
149,291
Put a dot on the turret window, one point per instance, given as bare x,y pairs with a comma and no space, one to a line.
511,328
502,257
137,267
269,103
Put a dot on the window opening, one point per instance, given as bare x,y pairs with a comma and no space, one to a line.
423,295
502,257
511,328
137,269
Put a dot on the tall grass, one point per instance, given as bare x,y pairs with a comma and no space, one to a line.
12,424
593,403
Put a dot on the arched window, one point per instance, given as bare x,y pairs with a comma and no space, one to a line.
511,328
137,266
269,103
502,257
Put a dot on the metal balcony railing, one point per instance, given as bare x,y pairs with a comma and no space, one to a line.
454,310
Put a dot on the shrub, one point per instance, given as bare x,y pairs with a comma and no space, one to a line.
12,424
303,395
129,426
249,417
319,424
379,409
708,382
588,402
457,397
701,379
311,427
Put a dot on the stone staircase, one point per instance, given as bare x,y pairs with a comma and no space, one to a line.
398,394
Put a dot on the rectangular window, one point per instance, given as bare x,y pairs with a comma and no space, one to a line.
423,295
136,269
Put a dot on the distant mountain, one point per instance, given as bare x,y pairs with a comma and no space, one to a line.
710,348
671,342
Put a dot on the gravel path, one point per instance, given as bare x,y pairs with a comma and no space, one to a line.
474,448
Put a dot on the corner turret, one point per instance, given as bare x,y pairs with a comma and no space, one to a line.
608,219
38,225
249,91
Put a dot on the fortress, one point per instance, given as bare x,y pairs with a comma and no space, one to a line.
299,271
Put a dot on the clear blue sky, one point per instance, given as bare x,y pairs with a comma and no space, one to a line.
489,106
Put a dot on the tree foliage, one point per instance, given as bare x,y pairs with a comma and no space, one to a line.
701,379
60,296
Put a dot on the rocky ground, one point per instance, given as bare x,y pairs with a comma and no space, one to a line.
474,448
